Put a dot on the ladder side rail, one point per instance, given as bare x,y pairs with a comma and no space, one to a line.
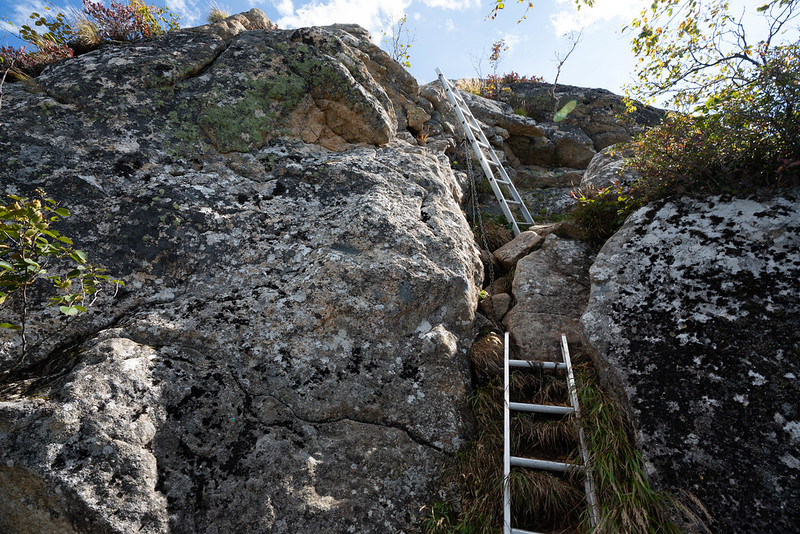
469,119
528,219
506,441
591,494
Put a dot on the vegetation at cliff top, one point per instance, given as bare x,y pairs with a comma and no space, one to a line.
737,130
57,36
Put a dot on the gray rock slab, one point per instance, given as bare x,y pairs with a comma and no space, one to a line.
289,352
509,254
608,168
551,287
694,314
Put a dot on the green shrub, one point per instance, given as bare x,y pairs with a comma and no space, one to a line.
740,98
30,248
602,211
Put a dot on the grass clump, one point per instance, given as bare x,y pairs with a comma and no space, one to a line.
216,14
627,501
543,501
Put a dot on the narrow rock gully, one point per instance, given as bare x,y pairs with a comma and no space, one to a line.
536,288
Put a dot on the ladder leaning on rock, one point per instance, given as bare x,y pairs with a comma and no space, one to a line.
552,409
498,178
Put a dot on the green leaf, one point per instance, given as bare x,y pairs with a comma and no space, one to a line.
69,310
7,266
64,212
79,256
10,326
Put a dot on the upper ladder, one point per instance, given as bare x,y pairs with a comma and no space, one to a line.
489,161
533,463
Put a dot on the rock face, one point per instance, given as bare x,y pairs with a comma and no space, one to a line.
694,314
545,157
551,289
608,168
289,352
596,113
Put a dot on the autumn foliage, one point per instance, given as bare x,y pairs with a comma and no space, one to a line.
55,37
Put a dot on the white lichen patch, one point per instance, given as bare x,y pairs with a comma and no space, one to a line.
758,379
793,429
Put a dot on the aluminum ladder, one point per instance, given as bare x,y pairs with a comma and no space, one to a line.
532,463
489,161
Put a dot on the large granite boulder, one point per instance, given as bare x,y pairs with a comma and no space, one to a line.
551,288
609,168
289,353
598,113
694,314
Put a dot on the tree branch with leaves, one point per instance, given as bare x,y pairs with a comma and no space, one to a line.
30,248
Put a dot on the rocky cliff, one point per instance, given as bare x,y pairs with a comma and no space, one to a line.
289,351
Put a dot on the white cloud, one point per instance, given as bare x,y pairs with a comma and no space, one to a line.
571,19
374,15
449,25
416,15
189,12
452,4
285,7
511,40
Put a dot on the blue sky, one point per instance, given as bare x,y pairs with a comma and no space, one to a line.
455,35
452,34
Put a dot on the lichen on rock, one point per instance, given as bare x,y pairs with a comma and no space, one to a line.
693,312
289,352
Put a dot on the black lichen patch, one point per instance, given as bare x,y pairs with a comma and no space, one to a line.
710,350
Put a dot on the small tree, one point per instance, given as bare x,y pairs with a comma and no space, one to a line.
740,128
398,41
30,247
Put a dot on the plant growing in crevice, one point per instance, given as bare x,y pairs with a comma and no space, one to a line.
398,41
30,248
216,14
602,211
628,503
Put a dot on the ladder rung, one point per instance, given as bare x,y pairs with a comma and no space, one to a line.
512,202
537,364
520,531
483,145
546,465
503,182
541,408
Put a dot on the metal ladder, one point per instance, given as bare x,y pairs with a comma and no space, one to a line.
491,166
532,463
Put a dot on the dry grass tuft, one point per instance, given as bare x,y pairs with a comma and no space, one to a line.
216,14
497,234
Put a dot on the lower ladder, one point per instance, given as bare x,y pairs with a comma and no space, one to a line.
532,463
490,163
